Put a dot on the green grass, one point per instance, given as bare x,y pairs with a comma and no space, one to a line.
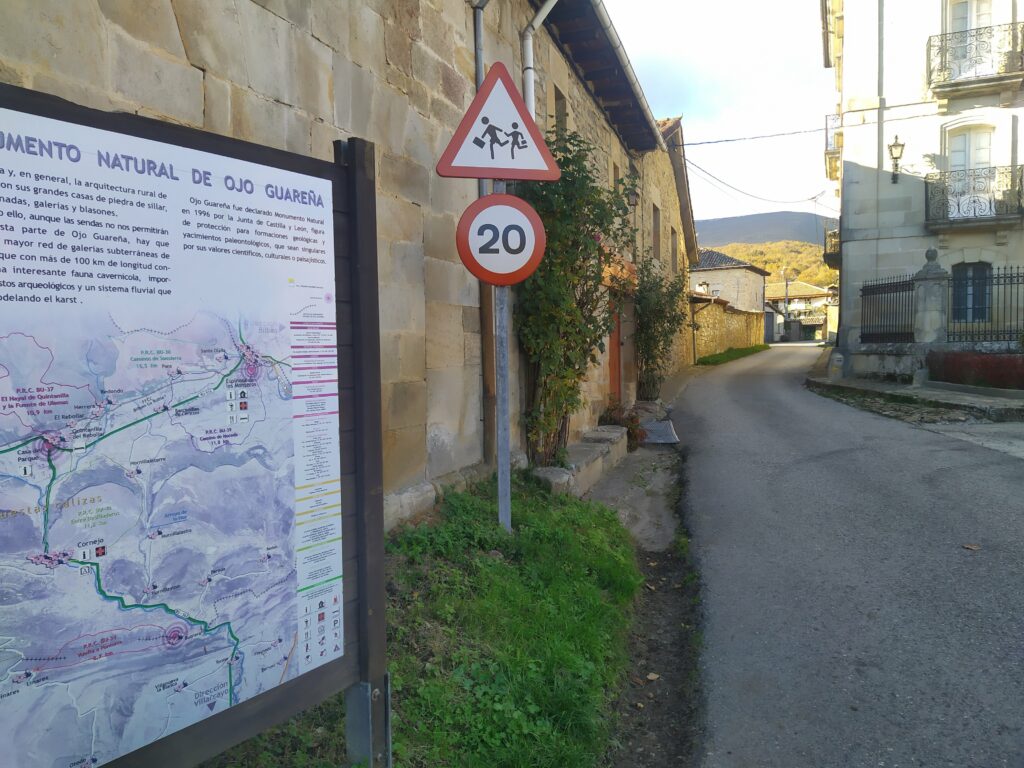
506,650
314,739
732,353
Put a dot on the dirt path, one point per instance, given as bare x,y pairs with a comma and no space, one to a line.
657,711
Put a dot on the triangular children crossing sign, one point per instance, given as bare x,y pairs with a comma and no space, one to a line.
497,138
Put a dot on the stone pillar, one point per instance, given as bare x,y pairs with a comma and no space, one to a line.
931,301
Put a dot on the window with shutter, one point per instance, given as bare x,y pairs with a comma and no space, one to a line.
972,292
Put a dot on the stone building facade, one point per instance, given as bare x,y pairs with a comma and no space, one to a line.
738,282
936,87
300,74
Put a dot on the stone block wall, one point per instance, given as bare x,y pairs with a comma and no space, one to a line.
721,327
299,74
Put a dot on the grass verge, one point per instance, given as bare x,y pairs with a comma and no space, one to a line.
506,650
732,353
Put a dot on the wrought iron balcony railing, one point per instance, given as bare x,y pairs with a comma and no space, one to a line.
976,53
832,242
832,255
971,196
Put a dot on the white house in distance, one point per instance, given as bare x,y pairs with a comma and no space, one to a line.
806,306
721,276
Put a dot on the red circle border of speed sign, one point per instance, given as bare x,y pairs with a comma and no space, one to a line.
466,251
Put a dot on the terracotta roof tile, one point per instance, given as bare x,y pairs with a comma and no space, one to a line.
798,289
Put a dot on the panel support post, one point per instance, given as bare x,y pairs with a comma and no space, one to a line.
368,723
368,716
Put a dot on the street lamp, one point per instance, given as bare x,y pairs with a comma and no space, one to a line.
896,154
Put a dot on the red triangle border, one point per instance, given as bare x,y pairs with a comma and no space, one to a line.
445,167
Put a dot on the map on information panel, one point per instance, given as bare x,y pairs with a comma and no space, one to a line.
170,515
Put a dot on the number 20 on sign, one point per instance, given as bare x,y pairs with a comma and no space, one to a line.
500,239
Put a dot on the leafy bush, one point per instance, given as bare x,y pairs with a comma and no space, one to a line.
565,310
660,314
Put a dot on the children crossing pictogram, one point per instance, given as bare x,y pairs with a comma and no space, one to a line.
497,138
491,134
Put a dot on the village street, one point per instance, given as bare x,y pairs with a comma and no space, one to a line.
845,622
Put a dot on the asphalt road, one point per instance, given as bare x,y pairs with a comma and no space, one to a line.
845,623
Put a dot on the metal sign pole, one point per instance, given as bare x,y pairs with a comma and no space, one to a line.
475,153
503,437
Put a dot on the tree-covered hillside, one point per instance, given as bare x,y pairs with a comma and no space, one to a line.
802,261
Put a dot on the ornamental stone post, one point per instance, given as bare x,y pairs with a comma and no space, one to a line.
931,301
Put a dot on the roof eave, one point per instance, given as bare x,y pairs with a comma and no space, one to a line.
587,24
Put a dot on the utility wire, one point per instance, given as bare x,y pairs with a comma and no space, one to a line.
752,138
811,130
715,185
750,194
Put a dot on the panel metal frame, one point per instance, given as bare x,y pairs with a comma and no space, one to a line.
363,668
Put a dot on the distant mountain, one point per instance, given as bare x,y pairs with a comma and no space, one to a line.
764,228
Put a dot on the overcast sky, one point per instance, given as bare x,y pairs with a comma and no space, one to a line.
735,68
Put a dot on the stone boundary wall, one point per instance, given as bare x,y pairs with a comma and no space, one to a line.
720,327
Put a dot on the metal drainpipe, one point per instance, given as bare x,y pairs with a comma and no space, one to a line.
529,74
486,291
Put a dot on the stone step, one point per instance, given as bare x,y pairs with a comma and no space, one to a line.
601,449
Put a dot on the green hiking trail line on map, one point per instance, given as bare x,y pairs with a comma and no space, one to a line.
87,446
205,625
122,603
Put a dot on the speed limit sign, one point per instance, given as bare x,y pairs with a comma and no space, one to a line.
500,239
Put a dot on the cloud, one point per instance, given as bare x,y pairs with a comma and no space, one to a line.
736,68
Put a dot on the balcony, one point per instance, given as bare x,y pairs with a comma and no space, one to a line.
975,198
833,255
833,146
983,60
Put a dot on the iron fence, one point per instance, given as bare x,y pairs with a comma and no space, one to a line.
973,194
986,304
887,310
975,53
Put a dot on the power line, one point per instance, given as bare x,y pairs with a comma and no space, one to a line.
727,191
815,130
714,184
750,194
753,138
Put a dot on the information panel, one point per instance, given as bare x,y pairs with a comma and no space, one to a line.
170,501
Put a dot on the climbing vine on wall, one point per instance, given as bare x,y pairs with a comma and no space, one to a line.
565,309
660,305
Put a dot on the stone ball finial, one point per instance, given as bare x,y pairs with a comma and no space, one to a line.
931,268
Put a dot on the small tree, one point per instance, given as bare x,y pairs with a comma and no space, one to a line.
564,310
660,314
